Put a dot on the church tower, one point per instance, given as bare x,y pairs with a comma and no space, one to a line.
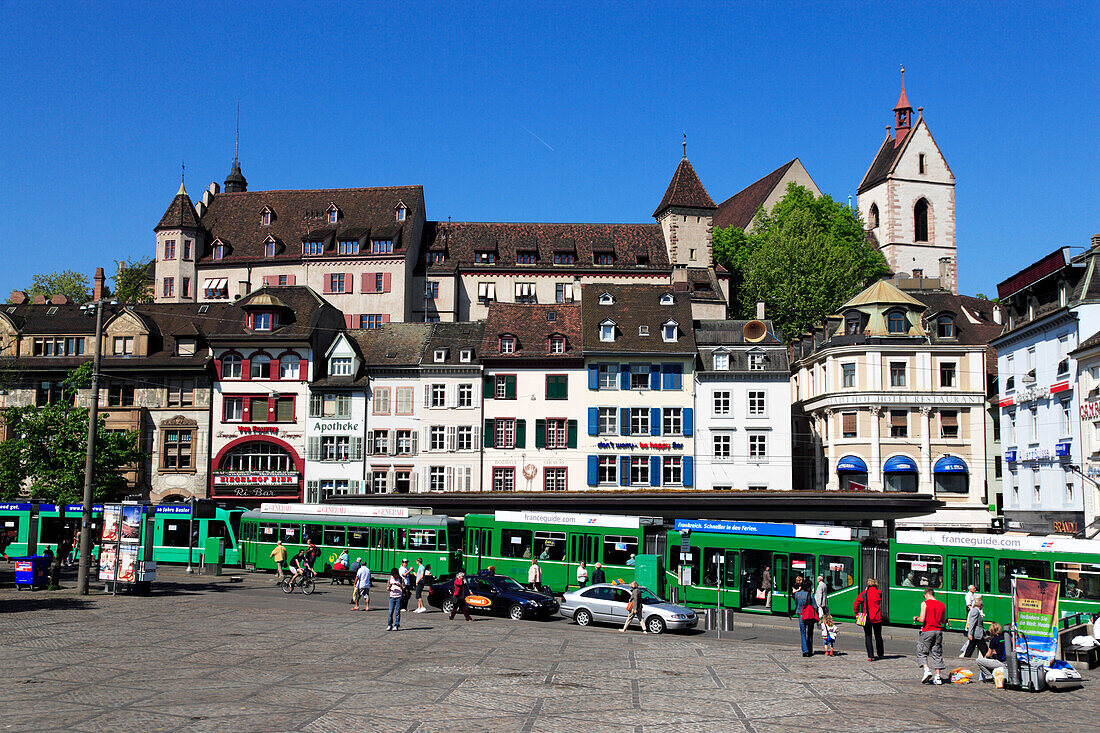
686,216
179,243
907,200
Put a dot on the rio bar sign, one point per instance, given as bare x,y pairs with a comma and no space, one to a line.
336,510
576,520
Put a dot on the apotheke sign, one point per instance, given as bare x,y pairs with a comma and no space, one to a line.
338,427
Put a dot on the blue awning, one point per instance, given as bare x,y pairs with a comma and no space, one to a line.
851,464
900,464
950,464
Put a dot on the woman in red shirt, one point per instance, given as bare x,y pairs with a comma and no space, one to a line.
870,603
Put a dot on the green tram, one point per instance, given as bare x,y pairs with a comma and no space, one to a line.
173,526
714,563
509,540
383,536
950,563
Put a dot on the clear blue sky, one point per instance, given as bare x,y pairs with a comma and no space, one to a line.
535,112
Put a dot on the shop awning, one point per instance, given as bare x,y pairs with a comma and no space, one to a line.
851,464
216,283
950,464
900,464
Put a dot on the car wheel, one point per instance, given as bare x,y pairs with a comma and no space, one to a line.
515,611
448,606
582,617
655,624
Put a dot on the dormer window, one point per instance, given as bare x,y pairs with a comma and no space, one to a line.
313,248
507,344
721,361
332,214
348,247
263,320
485,258
466,356
945,327
265,217
669,331
400,212
643,330
643,260
604,258
565,258
440,355
895,322
756,361
852,324
667,299
607,299
185,347
607,331
526,257
219,250
436,258
340,366
381,246
271,247
557,344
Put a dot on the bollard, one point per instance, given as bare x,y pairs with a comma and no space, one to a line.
709,619
673,595
725,619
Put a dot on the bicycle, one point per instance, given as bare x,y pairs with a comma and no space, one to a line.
301,580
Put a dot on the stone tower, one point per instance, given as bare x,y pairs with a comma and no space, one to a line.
686,216
907,200
179,243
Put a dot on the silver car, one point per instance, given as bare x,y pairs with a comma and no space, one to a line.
606,602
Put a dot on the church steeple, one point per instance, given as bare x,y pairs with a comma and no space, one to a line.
235,182
903,114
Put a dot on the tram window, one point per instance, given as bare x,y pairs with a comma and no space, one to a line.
312,532
550,545
358,537
291,533
49,529
422,539
269,532
1008,569
216,528
334,536
732,578
803,565
918,571
175,534
988,587
454,537
515,543
838,571
710,566
11,524
402,534
1078,580
618,549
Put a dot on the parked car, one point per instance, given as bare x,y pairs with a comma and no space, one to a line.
506,597
606,602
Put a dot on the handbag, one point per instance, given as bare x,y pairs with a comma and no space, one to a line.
861,614
761,595
808,613
630,606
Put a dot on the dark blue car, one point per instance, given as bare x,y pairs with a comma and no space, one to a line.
506,597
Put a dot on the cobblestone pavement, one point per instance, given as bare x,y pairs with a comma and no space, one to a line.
207,654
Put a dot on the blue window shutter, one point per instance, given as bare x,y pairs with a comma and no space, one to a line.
593,377
593,421
666,376
654,470
624,421
689,415
655,421
624,471
593,467
678,382
654,376
689,477
624,376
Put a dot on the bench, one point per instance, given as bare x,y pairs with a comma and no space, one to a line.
342,576
1077,626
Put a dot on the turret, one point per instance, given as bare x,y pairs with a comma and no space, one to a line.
179,241
686,216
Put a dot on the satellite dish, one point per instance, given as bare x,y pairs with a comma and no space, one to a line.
754,331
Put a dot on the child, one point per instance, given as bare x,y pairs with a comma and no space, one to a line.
828,634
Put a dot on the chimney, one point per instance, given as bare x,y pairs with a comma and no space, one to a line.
759,310
97,291
1096,241
59,299
944,262
18,297
998,313
39,300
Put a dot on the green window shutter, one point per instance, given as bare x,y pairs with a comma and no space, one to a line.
563,387
540,433
571,433
551,387
510,387
521,433
487,388
488,434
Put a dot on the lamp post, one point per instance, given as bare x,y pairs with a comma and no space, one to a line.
96,308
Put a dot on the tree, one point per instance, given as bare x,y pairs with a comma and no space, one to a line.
804,259
132,283
73,285
45,452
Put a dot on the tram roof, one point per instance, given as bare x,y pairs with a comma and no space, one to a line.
338,510
771,529
997,541
575,519
417,520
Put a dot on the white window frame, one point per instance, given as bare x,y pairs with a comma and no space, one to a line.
758,446
757,406
722,402
722,444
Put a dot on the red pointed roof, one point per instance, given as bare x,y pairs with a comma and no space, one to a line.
685,190
903,101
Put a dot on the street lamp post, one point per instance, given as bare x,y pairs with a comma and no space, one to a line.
89,462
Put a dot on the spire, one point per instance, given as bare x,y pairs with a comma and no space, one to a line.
235,182
181,212
183,190
903,114
685,144
685,190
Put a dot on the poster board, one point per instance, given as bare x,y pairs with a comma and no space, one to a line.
1035,610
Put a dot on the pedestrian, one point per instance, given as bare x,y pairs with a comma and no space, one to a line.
808,612
598,575
971,595
396,589
6,538
930,643
278,554
975,631
459,593
828,634
408,580
869,606
994,658
634,607
821,594
534,575
419,570
425,579
404,569
582,575
362,587
767,586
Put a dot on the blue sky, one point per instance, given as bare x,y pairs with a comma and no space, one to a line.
535,111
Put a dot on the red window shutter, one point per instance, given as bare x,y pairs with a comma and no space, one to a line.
303,370
368,282
349,283
386,282
289,279
246,369
271,279
246,410
218,368
328,284
349,320
385,318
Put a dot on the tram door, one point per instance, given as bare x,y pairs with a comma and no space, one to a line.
478,545
781,596
875,563
962,572
581,547
374,550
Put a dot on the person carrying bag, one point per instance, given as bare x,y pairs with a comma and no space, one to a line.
868,609
806,609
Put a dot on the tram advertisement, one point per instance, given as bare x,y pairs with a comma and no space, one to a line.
1035,607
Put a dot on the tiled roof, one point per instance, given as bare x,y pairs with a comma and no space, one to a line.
685,190
532,326
882,292
739,209
180,214
973,316
711,336
635,306
704,284
365,213
454,337
300,319
461,241
396,345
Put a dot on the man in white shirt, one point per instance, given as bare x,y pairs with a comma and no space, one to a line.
404,569
419,569
362,587
534,575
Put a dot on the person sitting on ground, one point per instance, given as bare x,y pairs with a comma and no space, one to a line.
994,658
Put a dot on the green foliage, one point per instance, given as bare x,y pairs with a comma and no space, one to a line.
132,283
69,283
46,450
804,259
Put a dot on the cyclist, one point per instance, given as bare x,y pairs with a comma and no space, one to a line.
298,565
312,553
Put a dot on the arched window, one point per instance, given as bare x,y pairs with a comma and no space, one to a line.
288,366
231,366
257,456
945,327
920,221
261,366
872,217
895,322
